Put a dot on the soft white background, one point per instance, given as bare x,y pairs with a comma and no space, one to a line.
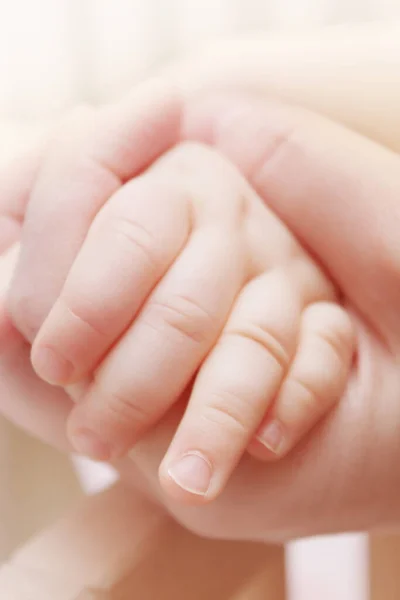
54,53
57,53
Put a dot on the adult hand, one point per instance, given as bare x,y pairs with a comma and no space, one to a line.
298,496
339,193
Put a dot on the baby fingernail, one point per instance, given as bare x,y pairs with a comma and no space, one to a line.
192,472
271,436
50,366
89,444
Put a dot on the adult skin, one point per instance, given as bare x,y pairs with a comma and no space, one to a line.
342,478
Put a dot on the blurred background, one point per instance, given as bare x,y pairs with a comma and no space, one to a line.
55,54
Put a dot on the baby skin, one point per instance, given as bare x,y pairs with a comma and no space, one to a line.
188,287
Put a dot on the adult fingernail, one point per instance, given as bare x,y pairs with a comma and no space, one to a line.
51,366
271,436
192,472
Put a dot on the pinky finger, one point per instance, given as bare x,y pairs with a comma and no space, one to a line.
315,382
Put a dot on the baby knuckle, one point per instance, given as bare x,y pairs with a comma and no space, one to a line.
124,410
337,344
332,323
332,332
262,335
88,312
136,237
228,411
306,394
183,315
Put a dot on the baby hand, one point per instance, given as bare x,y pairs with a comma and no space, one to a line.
187,282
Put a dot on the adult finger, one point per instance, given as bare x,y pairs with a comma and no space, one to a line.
337,191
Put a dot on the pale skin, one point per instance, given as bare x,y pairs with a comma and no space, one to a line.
186,278
328,155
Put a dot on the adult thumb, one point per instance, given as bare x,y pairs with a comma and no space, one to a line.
336,190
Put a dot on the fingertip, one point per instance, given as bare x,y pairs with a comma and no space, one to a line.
260,451
187,479
271,435
92,430
270,443
89,444
89,439
50,366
